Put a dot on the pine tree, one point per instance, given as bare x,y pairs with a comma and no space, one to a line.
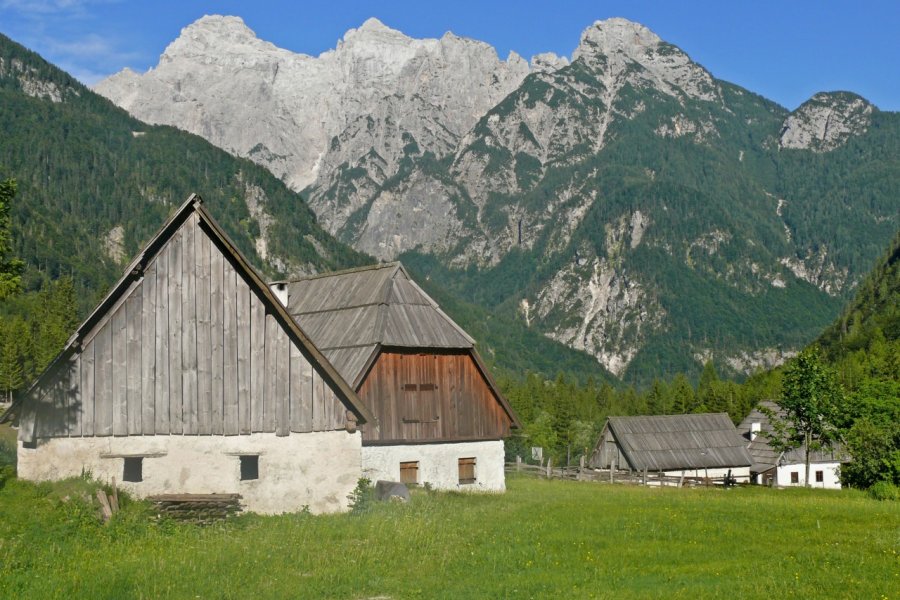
10,267
11,372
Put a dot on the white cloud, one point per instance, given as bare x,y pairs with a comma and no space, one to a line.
48,7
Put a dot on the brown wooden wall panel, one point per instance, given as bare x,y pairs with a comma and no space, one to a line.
189,349
418,397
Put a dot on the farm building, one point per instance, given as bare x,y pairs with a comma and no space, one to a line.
771,467
704,445
439,417
190,377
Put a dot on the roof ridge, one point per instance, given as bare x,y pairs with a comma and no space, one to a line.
375,267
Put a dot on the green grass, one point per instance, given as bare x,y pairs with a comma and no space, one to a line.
539,540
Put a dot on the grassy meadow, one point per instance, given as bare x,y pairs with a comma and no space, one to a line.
542,539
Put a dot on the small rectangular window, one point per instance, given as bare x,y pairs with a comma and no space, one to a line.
134,469
249,467
467,470
820,476
409,472
795,477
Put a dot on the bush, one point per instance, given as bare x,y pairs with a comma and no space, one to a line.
362,497
885,490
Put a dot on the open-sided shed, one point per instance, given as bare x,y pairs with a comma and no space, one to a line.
700,445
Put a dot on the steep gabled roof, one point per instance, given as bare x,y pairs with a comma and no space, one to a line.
351,315
674,442
135,270
764,456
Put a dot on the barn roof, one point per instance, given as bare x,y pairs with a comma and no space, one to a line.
135,270
764,456
672,442
351,315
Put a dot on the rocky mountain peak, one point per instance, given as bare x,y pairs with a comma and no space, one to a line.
826,121
616,35
616,45
216,38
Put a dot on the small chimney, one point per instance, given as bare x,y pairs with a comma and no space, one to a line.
281,292
755,428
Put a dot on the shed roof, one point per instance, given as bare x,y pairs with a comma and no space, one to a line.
764,456
672,442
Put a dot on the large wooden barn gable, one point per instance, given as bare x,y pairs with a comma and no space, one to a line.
192,346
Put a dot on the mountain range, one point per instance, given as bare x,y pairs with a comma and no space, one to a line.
623,201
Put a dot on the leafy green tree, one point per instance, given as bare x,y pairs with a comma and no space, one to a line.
811,398
542,434
12,375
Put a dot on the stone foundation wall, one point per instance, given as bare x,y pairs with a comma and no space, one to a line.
317,470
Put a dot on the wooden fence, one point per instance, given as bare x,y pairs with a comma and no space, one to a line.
582,473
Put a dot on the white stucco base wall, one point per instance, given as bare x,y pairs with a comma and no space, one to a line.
830,475
438,464
318,470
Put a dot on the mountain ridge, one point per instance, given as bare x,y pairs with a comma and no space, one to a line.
591,187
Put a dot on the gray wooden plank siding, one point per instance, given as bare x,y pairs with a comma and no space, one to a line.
161,343
190,350
257,362
176,424
229,293
119,373
148,350
189,328
204,354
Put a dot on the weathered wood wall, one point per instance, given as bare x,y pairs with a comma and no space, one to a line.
190,349
419,397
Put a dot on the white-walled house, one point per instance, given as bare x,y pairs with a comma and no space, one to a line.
694,445
439,417
190,377
786,469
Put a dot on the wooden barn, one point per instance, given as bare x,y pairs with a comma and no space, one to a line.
771,467
191,377
439,417
704,445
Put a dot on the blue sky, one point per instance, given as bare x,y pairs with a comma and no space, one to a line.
785,50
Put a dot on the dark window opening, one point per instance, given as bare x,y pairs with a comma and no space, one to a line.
795,477
467,470
820,476
249,467
134,469
409,472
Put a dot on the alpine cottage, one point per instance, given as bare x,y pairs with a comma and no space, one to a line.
703,445
190,377
439,417
771,467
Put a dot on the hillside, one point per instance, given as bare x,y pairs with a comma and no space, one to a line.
874,312
94,183
626,202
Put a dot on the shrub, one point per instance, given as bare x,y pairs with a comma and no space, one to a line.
885,490
362,497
